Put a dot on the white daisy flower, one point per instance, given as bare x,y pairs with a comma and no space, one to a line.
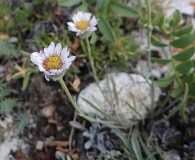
82,23
53,61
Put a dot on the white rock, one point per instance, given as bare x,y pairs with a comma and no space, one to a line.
131,88
48,111
171,155
157,70
184,6
11,140
7,146
39,145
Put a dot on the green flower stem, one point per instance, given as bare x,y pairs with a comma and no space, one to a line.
79,112
91,60
149,22
149,34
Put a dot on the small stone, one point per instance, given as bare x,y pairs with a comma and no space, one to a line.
171,155
132,100
48,111
39,145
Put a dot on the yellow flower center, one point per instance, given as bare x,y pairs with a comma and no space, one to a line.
53,62
82,25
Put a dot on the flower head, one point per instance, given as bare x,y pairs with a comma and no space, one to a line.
53,61
82,23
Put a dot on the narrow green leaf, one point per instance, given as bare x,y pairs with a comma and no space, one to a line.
25,81
182,105
136,146
68,3
176,91
123,138
102,4
164,82
123,9
7,105
82,7
77,125
183,41
150,155
157,42
5,92
185,55
183,31
185,67
161,23
176,19
106,30
192,91
22,122
161,61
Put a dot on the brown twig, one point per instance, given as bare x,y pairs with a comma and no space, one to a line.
72,133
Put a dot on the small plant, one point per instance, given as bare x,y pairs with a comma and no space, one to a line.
178,56
7,104
24,72
96,137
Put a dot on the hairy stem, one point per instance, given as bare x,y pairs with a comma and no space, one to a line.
91,61
149,23
79,112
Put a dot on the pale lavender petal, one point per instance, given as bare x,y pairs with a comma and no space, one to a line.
65,52
58,48
86,16
41,68
93,21
51,49
47,77
36,58
71,58
92,29
70,24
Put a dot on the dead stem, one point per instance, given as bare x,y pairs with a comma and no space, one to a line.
72,132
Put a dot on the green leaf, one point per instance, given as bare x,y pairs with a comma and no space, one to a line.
183,41
185,55
6,106
161,61
123,9
77,125
192,91
176,91
182,105
82,7
22,122
147,151
68,3
136,146
123,138
185,67
188,79
164,82
183,31
157,42
106,29
161,23
176,19
5,92
102,4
